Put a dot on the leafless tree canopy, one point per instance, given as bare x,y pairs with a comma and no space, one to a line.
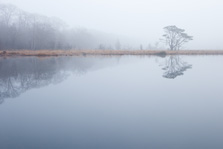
175,37
23,30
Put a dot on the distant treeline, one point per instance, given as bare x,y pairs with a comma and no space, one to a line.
23,30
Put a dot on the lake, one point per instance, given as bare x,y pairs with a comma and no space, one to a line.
116,102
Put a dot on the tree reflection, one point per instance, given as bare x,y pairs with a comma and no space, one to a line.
175,66
18,75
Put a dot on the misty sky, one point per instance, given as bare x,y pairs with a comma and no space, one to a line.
142,20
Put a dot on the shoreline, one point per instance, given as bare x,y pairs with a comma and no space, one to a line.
42,53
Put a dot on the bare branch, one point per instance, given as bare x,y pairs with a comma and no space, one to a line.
175,37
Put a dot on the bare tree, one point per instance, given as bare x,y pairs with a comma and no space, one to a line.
141,47
117,45
7,12
23,30
175,37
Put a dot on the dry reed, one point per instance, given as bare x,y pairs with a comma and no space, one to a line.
42,53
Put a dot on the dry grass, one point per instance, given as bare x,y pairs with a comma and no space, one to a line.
42,53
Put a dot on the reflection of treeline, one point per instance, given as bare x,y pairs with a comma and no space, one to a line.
21,74
23,30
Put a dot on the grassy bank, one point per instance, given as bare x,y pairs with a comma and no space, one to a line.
106,52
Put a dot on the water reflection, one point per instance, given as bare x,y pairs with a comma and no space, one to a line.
174,66
18,75
117,103
21,74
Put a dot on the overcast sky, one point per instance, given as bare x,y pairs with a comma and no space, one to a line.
139,19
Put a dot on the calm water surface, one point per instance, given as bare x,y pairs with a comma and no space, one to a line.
111,102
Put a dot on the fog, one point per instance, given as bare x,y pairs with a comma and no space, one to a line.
136,22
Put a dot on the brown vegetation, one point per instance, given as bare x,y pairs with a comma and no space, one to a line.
106,52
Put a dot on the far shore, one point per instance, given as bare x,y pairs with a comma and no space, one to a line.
42,53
